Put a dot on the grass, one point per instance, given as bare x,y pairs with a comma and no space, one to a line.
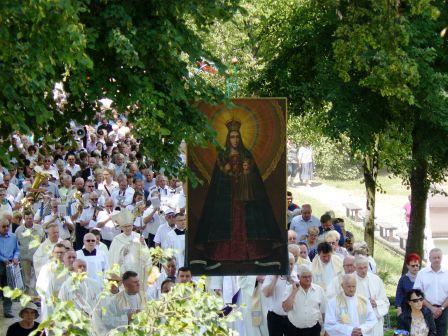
389,263
392,185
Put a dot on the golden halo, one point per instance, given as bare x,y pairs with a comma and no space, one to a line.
262,132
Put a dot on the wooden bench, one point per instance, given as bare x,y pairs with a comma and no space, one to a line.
403,239
352,211
387,231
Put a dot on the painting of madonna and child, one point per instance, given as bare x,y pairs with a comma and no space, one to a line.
237,216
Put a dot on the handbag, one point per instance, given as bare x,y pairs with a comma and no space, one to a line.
14,276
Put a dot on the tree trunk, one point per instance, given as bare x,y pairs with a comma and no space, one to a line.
370,171
419,196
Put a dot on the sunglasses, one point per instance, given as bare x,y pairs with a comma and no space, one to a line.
90,240
94,199
414,265
5,226
416,300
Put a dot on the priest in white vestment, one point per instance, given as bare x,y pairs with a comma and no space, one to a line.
84,294
349,314
43,253
326,266
129,249
371,287
96,260
336,286
50,280
121,308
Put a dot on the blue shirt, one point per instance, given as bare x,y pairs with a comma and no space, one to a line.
404,285
9,247
336,228
300,226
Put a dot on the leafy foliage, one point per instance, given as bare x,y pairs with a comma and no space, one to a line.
137,53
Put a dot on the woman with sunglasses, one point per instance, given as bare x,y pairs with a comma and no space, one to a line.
416,319
406,282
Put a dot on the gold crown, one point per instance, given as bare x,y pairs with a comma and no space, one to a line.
233,125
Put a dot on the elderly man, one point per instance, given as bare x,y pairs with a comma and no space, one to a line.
43,252
274,287
292,237
9,253
295,250
87,220
84,294
27,233
122,195
433,281
325,267
128,249
349,268
105,223
301,224
65,226
95,258
124,305
349,314
305,304
50,279
372,288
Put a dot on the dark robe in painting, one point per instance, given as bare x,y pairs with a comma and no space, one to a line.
237,222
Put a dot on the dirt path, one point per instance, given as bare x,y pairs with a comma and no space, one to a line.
389,208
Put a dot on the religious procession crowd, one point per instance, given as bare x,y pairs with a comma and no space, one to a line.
88,207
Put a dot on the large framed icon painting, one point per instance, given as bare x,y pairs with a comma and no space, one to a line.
237,216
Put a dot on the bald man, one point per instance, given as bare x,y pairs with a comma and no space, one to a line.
84,293
349,314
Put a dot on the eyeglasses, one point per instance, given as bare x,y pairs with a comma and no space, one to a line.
416,300
94,199
5,226
414,265
90,241
47,160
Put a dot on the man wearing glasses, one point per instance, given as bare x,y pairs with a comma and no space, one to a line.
9,253
95,259
433,281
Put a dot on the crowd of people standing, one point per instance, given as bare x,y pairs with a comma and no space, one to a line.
99,202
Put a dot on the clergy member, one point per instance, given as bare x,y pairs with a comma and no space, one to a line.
43,252
50,280
96,259
325,266
349,268
129,249
176,239
124,305
84,294
349,314
371,287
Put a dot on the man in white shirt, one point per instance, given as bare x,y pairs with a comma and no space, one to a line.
105,223
72,166
54,217
371,287
124,194
274,287
87,220
300,224
108,185
96,259
161,237
433,281
176,239
349,314
305,304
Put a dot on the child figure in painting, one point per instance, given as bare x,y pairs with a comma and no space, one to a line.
246,182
